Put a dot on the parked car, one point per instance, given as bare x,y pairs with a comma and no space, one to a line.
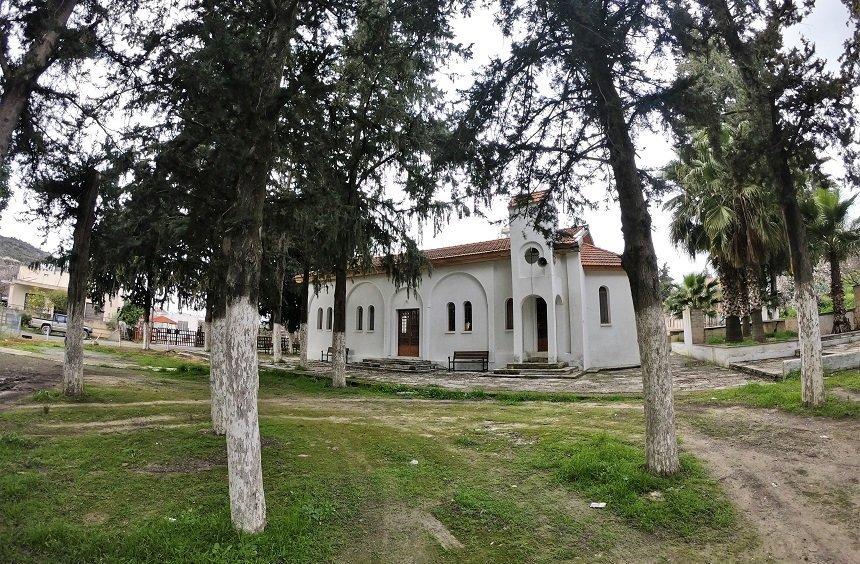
57,324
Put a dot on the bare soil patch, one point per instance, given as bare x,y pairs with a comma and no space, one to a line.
795,478
21,376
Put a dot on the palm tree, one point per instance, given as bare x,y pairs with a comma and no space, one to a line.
736,222
695,292
835,238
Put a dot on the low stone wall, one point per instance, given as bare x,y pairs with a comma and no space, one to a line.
770,327
725,356
838,361
825,322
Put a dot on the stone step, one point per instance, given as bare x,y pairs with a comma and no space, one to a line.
536,365
757,371
397,365
569,372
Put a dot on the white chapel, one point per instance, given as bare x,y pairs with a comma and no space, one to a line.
519,298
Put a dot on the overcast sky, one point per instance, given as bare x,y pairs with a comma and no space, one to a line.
826,27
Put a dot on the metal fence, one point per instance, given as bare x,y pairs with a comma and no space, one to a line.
10,322
677,324
174,337
264,344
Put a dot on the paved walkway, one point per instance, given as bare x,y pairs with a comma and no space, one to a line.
687,376
772,368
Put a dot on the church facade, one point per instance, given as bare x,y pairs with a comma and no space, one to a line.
520,298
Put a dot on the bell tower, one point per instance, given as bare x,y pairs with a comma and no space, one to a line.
533,219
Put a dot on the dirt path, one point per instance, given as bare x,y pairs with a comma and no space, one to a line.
797,479
21,375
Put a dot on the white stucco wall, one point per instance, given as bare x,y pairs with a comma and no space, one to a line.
319,340
458,287
503,352
574,332
365,342
613,345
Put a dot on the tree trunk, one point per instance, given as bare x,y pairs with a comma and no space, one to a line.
277,350
244,449
837,294
255,135
734,329
277,314
731,302
147,314
778,160
338,364
746,329
207,323
755,301
640,263
22,80
303,317
809,329
85,216
218,366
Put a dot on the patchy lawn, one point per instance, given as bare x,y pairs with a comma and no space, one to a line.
785,395
363,474
168,361
776,337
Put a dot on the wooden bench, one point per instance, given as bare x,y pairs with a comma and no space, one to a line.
326,356
264,344
469,357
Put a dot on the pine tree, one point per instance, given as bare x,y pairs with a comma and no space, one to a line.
559,112
796,108
368,123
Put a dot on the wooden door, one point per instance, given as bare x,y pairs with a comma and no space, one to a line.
540,317
407,332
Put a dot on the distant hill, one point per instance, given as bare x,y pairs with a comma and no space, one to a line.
16,251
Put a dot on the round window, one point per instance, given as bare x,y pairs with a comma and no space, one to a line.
532,255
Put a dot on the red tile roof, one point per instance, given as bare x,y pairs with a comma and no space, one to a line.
595,257
564,238
532,199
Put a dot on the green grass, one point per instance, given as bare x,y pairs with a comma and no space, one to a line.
150,359
777,337
785,395
606,469
509,476
156,359
274,383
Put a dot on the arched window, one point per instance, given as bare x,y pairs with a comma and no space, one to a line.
359,318
509,314
603,295
452,316
328,319
319,319
467,316
370,315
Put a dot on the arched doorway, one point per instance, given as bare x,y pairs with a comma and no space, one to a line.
535,326
541,324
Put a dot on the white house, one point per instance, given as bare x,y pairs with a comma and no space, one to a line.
28,282
520,298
